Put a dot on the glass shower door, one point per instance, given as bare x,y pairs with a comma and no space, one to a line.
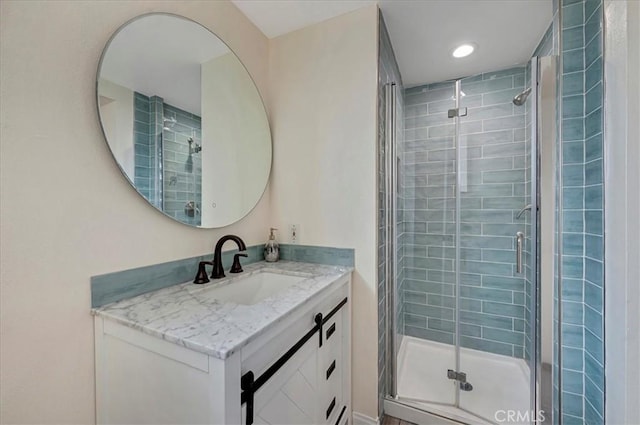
427,284
494,234
465,317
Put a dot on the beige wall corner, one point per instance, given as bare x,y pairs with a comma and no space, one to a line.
622,202
67,212
323,93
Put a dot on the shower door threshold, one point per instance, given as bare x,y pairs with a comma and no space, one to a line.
419,412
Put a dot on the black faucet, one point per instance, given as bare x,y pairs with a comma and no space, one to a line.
218,270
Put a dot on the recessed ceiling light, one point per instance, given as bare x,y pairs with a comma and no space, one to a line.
463,50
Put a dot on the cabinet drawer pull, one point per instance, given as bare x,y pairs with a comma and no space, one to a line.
331,369
346,422
331,330
331,406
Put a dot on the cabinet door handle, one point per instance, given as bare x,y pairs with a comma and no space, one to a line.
319,323
331,406
331,330
331,369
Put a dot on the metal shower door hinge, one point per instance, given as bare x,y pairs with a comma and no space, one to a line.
457,112
456,376
461,377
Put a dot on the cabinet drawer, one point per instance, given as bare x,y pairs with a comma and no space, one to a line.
333,338
331,368
343,417
332,330
331,381
336,413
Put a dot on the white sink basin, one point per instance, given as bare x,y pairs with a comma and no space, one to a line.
255,288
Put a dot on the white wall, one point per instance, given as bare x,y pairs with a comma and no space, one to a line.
116,113
323,91
622,203
236,143
67,212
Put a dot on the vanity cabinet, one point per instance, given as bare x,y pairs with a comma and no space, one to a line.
310,386
295,372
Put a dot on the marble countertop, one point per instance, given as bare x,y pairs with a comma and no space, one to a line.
187,314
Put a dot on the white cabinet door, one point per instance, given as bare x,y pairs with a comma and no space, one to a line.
290,395
310,387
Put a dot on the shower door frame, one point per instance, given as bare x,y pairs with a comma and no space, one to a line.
535,362
391,251
390,232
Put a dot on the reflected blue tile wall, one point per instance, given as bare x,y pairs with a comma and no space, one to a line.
144,153
182,170
156,142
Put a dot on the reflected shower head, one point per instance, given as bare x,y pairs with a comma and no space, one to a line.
193,146
168,123
522,97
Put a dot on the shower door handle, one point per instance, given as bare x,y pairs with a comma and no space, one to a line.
519,242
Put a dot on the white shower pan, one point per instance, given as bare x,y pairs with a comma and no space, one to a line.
500,383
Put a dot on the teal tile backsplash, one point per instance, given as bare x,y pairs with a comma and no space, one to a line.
112,287
318,254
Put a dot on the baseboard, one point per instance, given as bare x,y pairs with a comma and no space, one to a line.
360,419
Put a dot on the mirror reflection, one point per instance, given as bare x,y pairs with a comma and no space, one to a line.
184,120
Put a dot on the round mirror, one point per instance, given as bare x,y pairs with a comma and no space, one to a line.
184,120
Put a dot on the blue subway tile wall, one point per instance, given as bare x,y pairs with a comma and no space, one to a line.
388,72
493,189
582,213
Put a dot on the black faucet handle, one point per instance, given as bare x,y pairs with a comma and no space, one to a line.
237,267
202,277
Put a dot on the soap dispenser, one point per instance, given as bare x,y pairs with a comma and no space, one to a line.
272,248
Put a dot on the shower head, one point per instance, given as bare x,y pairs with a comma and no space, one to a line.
522,97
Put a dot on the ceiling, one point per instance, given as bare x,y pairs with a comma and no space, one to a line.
149,56
424,32
278,17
